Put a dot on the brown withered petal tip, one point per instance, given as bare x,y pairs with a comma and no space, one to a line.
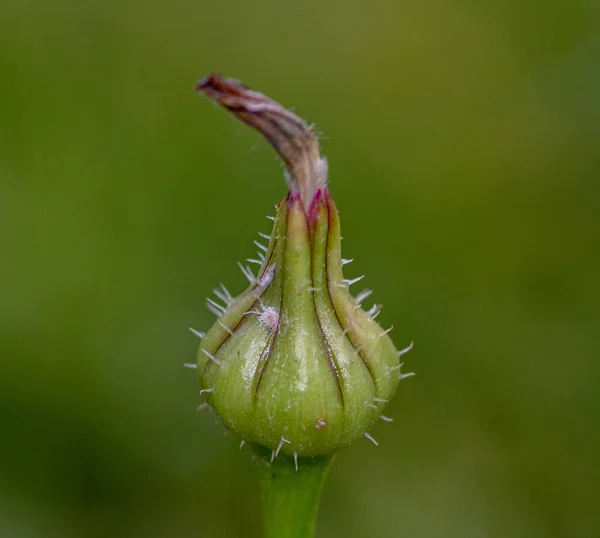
289,135
214,84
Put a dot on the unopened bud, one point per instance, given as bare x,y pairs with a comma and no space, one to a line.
294,363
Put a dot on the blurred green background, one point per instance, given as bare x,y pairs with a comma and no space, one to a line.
464,148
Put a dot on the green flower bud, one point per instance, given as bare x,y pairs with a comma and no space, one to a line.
295,364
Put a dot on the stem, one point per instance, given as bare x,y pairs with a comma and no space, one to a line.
290,497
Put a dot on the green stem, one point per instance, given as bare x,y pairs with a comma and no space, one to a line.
290,497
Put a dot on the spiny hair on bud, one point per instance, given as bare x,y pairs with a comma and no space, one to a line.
223,295
371,438
398,366
215,307
401,376
260,245
374,310
190,365
227,329
385,332
363,295
350,281
279,447
386,419
199,334
406,349
247,272
211,357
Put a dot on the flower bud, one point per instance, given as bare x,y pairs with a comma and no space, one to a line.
294,363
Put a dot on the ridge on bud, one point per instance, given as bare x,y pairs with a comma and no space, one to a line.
294,363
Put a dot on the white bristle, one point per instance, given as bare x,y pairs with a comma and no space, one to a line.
281,445
199,334
216,305
222,296
211,357
247,272
214,309
225,327
363,295
406,349
385,332
260,246
351,281
371,438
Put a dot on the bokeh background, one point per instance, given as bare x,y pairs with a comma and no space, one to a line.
464,148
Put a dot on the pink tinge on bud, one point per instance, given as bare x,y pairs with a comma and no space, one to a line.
317,198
